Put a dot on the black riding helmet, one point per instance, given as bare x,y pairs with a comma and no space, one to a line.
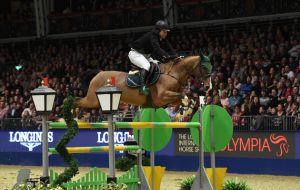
162,25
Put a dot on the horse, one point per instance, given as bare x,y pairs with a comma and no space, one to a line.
167,90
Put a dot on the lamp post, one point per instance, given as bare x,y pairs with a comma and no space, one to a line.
43,99
109,98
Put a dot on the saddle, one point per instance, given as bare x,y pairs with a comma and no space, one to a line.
132,80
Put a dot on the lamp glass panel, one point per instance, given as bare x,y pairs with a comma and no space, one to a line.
116,101
50,101
39,102
104,100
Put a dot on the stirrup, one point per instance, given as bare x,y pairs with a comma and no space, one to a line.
144,90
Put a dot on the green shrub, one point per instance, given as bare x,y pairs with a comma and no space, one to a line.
235,185
125,163
114,186
187,183
37,186
41,186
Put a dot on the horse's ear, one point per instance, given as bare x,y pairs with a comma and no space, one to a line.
201,55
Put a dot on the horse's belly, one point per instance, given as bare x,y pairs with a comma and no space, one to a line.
134,98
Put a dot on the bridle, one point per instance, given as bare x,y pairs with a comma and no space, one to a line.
178,79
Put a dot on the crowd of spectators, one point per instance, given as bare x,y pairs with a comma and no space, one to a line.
192,10
256,70
17,18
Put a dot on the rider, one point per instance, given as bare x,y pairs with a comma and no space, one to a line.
152,44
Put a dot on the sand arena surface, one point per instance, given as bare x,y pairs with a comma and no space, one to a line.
170,181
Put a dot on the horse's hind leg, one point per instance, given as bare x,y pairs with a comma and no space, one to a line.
86,103
90,101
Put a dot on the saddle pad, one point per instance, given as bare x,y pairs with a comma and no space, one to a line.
133,80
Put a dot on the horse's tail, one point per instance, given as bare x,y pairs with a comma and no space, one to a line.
86,78
86,102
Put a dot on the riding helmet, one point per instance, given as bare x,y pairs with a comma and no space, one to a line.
162,25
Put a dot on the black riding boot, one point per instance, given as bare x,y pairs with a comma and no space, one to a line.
143,88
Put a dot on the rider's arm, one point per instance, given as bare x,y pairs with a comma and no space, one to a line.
169,48
157,50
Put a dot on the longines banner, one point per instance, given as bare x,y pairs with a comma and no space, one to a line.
31,141
244,144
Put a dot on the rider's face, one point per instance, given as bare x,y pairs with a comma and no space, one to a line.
163,34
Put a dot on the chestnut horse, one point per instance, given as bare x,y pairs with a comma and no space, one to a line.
167,90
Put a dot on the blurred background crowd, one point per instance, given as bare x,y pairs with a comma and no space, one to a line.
17,18
256,65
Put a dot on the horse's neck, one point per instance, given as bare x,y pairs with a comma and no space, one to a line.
183,68
188,64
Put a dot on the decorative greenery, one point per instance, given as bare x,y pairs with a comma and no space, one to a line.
38,186
235,185
72,129
114,186
187,183
125,163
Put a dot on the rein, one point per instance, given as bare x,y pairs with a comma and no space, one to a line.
168,73
188,72
170,69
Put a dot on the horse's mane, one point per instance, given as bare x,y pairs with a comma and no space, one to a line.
185,59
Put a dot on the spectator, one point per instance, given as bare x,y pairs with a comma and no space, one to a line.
260,119
3,110
287,90
56,114
171,112
77,114
246,86
288,72
15,110
236,116
26,119
224,99
94,116
28,110
293,110
35,117
295,92
273,99
235,99
264,99
254,106
280,110
86,117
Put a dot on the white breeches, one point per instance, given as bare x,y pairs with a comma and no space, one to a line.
141,60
